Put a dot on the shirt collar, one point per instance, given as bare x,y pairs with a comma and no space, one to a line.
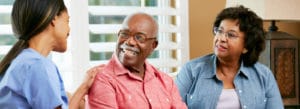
244,70
119,69
211,66
117,66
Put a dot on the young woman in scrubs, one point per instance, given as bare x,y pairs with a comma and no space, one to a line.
28,79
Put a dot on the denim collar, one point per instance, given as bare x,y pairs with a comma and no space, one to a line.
211,66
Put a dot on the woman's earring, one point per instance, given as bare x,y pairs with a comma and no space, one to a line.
245,51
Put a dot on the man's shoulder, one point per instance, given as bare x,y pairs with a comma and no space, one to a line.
104,72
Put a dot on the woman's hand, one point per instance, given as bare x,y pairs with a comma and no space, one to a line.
90,76
77,100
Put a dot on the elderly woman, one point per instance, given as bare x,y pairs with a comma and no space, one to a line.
231,78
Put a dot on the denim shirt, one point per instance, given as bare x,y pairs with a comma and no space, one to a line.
200,88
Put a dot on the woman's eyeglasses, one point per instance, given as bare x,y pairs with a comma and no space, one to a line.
229,35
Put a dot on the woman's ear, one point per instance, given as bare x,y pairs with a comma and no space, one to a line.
53,21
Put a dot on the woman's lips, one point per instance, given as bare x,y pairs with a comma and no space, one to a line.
221,48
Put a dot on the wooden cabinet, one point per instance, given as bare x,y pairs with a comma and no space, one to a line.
282,56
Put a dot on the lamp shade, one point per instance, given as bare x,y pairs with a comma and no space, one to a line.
271,9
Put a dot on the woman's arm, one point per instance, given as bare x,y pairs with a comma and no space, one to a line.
274,100
184,81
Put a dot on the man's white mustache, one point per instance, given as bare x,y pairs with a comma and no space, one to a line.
124,46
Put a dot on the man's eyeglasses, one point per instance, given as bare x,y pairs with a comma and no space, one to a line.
229,35
139,37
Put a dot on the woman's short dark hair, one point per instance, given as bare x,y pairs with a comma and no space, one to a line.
251,25
29,18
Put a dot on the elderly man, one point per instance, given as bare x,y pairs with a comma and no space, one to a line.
128,81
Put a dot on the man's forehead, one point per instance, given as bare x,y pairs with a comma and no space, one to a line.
137,26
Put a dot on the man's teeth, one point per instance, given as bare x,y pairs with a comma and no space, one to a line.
130,52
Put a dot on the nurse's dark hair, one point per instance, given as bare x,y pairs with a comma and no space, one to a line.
29,18
251,25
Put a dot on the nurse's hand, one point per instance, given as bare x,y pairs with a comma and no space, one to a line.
90,76
77,101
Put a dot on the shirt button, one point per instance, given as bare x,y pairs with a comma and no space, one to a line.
240,91
167,100
150,100
129,97
191,97
265,100
245,107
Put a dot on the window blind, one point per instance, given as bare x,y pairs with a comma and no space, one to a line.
95,24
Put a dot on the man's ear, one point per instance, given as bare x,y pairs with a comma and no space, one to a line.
155,44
